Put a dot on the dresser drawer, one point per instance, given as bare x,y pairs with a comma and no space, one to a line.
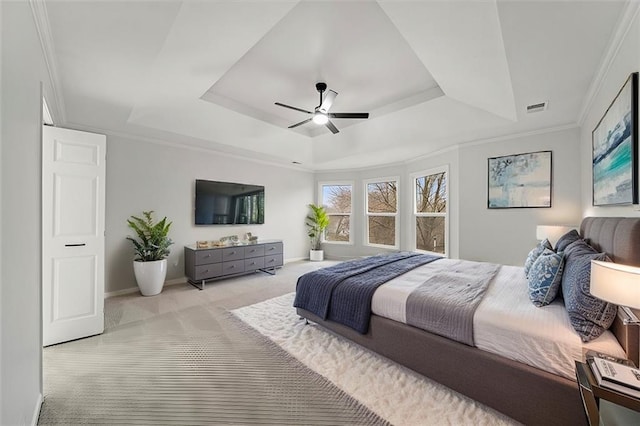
253,251
208,256
233,267
272,248
232,253
253,264
272,261
208,271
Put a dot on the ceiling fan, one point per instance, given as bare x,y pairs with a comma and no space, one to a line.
321,114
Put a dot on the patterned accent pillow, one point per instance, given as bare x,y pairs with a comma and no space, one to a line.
534,254
545,276
567,239
589,316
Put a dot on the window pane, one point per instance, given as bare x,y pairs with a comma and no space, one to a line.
337,198
431,195
338,229
381,197
382,230
430,234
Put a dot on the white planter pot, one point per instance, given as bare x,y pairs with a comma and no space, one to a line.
150,276
316,255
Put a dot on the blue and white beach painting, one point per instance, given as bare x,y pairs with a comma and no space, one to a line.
522,180
613,153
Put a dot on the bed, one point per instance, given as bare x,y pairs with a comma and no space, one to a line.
523,392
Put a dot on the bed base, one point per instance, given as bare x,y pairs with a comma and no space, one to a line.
526,394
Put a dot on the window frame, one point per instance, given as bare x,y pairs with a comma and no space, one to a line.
415,214
396,215
321,202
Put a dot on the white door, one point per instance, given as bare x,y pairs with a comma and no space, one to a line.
73,205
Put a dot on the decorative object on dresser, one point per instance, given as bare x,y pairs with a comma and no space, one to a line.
317,222
519,181
207,264
615,149
152,249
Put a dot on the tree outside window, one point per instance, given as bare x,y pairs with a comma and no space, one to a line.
337,200
431,212
381,212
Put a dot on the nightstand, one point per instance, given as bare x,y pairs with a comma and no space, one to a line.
591,395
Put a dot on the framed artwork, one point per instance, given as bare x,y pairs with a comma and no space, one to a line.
615,149
520,181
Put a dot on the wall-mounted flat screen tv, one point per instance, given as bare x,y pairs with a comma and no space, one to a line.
227,203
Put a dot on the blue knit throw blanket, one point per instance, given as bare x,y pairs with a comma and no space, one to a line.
343,292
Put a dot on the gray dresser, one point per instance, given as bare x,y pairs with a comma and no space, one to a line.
205,264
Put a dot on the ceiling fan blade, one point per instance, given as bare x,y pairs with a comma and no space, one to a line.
349,114
331,127
300,123
328,100
291,107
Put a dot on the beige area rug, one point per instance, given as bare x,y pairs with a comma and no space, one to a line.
395,393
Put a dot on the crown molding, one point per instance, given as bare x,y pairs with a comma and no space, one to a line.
615,43
162,142
41,19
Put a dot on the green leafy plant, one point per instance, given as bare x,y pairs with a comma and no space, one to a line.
153,241
316,223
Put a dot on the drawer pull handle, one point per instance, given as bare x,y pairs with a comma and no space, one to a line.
208,255
75,245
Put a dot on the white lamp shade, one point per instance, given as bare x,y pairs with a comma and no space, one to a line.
615,283
552,232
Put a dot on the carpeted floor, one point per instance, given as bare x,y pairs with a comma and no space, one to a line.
182,358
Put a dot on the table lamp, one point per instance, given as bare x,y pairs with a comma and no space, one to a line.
552,232
619,284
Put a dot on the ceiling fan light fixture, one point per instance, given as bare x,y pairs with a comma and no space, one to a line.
320,118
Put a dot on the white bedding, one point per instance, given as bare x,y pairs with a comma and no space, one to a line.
506,322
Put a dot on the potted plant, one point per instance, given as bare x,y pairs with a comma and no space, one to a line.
317,222
152,249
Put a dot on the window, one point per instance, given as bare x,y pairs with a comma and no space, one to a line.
381,211
337,200
431,222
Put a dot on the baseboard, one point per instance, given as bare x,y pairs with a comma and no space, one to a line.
36,411
130,290
181,280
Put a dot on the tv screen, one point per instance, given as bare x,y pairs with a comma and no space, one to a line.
226,203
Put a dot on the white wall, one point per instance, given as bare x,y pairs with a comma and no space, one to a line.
507,235
143,175
23,69
625,61
503,236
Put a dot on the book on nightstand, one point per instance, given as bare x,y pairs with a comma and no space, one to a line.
615,376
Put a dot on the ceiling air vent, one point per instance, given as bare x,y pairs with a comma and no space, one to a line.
541,106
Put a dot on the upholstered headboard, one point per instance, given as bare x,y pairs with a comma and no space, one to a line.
619,237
